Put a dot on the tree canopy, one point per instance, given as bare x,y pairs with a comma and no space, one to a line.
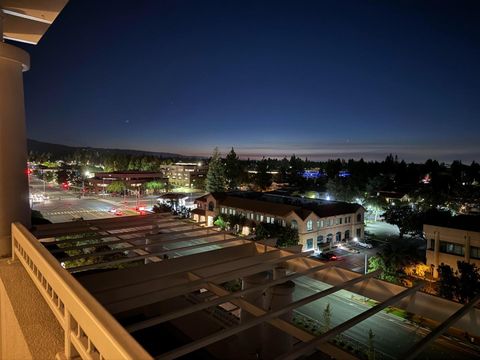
116,186
233,170
216,173
262,178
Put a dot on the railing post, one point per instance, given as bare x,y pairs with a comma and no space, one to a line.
70,351
13,238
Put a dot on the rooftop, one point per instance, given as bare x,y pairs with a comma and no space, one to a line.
149,277
282,205
461,222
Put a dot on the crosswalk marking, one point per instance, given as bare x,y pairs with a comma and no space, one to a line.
73,212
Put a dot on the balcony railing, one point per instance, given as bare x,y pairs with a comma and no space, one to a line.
90,331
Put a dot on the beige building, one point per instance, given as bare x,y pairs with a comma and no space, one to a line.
319,223
448,245
190,175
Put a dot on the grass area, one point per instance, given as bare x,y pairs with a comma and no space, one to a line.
397,312
403,314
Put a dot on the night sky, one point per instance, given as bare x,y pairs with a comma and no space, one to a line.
322,79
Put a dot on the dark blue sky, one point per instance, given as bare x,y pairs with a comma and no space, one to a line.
317,78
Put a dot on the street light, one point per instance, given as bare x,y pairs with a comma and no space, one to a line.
86,175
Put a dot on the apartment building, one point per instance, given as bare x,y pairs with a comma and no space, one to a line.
458,240
319,223
190,175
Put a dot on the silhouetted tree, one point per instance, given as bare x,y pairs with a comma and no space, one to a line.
448,282
216,173
262,178
233,170
407,220
468,284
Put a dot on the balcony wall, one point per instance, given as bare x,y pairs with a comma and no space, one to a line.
28,328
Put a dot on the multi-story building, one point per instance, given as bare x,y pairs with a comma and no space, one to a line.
190,175
319,223
458,240
132,179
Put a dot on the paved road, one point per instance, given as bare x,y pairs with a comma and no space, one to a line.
63,206
393,335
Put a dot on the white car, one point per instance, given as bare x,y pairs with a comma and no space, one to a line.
365,245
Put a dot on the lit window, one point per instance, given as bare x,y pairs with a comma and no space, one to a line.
475,252
309,225
294,224
454,249
309,243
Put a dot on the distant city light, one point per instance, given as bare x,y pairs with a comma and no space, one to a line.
312,174
328,197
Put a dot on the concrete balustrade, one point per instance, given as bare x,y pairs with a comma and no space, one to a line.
90,331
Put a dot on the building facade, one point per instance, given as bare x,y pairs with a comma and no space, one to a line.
448,245
319,224
132,179
190,175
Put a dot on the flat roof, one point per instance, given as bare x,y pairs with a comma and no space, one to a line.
460,222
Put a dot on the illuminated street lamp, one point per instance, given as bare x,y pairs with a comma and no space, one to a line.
86,175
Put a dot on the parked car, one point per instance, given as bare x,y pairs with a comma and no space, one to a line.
326,256
365,245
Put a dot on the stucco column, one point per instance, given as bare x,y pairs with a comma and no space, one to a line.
252,338
14,205
436,253
277,342
467,248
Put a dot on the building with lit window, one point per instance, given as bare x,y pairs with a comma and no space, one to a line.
458,240
133,180
190,175
319,223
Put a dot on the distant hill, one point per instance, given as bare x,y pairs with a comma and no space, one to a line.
58,150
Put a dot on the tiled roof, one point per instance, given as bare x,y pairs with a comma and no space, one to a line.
258,206
216,196
303,210
198,211
334,208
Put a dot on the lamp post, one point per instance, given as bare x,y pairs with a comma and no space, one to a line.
86,175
